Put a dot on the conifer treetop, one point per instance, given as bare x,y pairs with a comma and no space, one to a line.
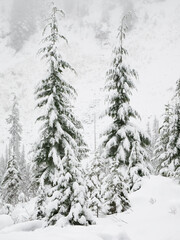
51,39
119,81
119,87
122,33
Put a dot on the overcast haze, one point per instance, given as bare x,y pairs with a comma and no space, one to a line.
153,43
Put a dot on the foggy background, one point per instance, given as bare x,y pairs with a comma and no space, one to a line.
153,43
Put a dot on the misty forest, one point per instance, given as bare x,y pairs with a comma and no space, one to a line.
89,119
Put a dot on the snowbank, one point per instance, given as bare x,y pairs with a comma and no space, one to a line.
155,211
155,215
95,232
24,227
5,221
24,211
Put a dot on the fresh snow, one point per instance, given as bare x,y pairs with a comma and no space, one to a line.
23,227
5,220
154,215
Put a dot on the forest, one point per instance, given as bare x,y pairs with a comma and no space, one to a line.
88,148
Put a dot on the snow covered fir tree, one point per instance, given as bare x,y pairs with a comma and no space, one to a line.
10,186
124,144
138,165
161,154
26,176
95,175
167,148
61,146
168,145
3,164
11,181
15,130
15,144
153,133
15,179
174,138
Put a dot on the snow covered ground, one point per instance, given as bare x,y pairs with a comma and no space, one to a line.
155,211
155,215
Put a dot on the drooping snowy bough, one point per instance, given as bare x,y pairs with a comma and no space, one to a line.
168,147
123,143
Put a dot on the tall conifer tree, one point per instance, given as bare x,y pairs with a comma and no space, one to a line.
10,187
174,138
95,176
168,148
15,130
61,146
121,135
161,153
3,165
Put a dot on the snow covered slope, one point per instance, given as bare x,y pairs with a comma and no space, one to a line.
155,211
155,215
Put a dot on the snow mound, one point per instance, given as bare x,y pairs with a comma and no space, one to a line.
106,229
23,227
155,212
5,221
24,212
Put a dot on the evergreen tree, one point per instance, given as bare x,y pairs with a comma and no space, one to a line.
25,174
154,142
11,182
149,129
149,148
120,136
61,146
3,166
161,153
41,201
15,130
138,166
33,182
173,149
69,194
115,191
94,184
7,154
155,131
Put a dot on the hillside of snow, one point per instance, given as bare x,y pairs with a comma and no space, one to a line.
154,214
